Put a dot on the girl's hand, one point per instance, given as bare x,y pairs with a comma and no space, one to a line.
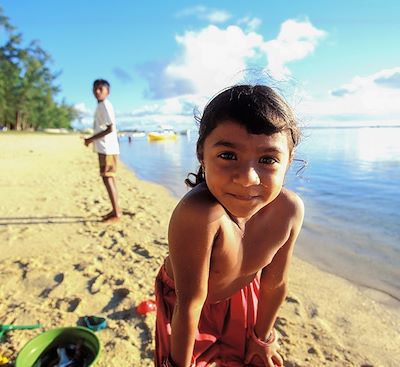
167,362
267,354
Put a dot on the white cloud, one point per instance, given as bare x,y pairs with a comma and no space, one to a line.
387,78
217,16
295,41
251,24
175,111
82,109
152,121
85,116
204,13
365,99
213,58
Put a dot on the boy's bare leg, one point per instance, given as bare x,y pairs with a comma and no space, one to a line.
111,187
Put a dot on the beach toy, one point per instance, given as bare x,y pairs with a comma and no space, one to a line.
76,345
95,323
6,328
146,306
3,360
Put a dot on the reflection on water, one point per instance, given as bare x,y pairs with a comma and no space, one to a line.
350,188
378,145
354,172
167,162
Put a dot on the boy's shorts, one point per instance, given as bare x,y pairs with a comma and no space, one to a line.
108,165
223,329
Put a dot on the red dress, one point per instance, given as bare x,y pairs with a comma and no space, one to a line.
223,329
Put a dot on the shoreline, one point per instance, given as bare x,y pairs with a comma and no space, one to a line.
59,264
337,256
355,275
386,298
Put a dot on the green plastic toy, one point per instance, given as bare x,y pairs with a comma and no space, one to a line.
39,349
6,328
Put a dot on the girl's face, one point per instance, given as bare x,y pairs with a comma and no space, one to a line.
245,172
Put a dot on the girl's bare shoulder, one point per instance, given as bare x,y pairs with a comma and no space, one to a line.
291,199
291,205
200,204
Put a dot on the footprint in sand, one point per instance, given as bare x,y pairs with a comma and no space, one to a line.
119,282
122,251
162,243
314,350
315,334
290,299
102,233
139,250
23,266
110,345
280,325
113,243
96,283
58,278
126,314
298,307
118,296
128,214
80,266
68,304
313,312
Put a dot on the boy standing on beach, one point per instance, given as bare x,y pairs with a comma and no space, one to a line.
105,141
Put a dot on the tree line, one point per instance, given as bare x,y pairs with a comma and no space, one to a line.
27,85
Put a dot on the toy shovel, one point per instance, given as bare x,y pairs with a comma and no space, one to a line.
5,328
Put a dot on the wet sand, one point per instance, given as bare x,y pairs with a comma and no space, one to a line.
58,263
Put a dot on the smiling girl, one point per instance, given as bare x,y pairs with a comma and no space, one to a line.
231,237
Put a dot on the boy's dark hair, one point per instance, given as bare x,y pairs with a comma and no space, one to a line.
101,81
258,108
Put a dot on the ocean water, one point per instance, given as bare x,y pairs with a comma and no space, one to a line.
350,187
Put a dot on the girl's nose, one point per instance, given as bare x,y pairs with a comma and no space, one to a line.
246,176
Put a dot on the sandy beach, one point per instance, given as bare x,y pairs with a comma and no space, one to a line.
58,263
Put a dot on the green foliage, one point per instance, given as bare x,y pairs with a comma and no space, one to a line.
27,87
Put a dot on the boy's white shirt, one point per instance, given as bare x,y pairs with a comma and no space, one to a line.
103,117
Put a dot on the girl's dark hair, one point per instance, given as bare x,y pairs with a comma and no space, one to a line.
258,108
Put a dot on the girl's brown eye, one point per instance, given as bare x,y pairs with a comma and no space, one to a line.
268,160
227,156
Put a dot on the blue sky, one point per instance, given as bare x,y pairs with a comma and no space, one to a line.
338,62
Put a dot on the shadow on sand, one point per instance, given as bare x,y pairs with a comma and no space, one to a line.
4,221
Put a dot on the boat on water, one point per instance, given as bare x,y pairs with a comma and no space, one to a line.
138,134
167,133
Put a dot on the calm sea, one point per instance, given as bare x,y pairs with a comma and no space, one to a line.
350,188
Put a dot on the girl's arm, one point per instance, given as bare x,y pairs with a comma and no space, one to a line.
273,291
191,235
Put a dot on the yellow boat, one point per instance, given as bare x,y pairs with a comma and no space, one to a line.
161,135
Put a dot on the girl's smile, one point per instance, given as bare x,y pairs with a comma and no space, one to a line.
244,171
